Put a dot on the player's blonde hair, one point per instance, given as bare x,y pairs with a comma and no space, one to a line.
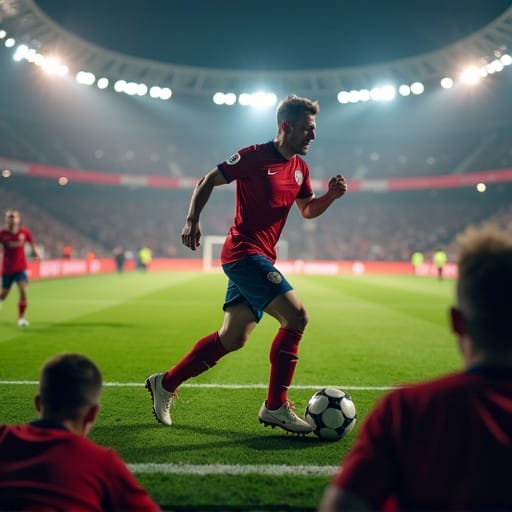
294,107
484,284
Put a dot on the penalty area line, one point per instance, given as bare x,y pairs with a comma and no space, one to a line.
233,469
212,385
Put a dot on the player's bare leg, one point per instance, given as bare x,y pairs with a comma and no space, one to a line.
239,321
277,410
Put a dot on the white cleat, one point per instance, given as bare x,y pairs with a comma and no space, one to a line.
285,418
23,322
162,399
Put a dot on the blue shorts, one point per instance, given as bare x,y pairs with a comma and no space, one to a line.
254,280
16,277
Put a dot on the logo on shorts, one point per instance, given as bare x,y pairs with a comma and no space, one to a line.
299,177
233,159
274,277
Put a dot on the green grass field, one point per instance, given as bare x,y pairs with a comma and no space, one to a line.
365,334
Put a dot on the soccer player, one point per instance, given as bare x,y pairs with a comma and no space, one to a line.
270,178
14,265
446,444
439,260
50,464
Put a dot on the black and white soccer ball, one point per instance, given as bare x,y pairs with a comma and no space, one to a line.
332,413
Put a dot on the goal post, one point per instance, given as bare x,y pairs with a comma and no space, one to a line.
213,243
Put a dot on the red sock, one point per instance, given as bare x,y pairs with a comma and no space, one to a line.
204,354
22,305
283,359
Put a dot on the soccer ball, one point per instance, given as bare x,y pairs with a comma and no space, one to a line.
332,413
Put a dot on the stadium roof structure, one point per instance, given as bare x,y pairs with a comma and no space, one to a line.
27,24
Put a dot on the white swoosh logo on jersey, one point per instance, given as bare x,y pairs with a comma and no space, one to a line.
270,173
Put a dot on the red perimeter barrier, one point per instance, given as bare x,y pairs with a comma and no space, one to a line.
75,267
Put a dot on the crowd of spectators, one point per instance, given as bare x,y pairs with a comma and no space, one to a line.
363,226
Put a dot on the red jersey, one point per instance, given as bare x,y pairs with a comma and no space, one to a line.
440,445
267,185
14,249
45,467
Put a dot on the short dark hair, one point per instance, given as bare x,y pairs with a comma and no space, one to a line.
294,107
483,287
69,382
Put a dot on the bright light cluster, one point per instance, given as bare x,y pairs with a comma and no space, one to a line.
257,100
122,86
48,63
52,65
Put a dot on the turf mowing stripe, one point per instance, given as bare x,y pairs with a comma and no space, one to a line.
233,469
211,386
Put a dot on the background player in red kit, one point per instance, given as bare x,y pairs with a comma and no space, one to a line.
50,465
446,444
270,178
14,264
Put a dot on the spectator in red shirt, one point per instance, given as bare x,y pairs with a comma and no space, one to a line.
446,444
270,179
14,263
50,464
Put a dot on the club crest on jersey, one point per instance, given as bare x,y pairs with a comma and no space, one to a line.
274,277
299,177
234,159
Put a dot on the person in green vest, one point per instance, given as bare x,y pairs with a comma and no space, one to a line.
440,260
416,260
145,257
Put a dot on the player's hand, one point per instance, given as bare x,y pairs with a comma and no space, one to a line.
191,235
337,186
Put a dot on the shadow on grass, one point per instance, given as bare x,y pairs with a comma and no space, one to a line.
187,439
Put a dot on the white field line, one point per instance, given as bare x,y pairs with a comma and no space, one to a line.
208,386
233,469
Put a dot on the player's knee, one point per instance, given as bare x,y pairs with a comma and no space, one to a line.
232,342
298,321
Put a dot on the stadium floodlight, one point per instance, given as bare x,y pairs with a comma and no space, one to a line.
63,181
31,55
9,43
6,173
230,98
53,66
119,86
471,75
364,95
218,98
481,187
343,97
417,88
131,88
244,99
142,89
102,83
20,53
506,59
404,90
262,100
494,67
165,93
446,82
353,96
155,91
3,34
85,78
388,92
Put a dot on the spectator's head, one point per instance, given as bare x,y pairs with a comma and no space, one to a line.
69,391
481,318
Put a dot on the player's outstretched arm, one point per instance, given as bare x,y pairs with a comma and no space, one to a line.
314,206
191,232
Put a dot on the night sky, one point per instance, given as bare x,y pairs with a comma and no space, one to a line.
273,35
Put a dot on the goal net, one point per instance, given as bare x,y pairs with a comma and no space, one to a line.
212,244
